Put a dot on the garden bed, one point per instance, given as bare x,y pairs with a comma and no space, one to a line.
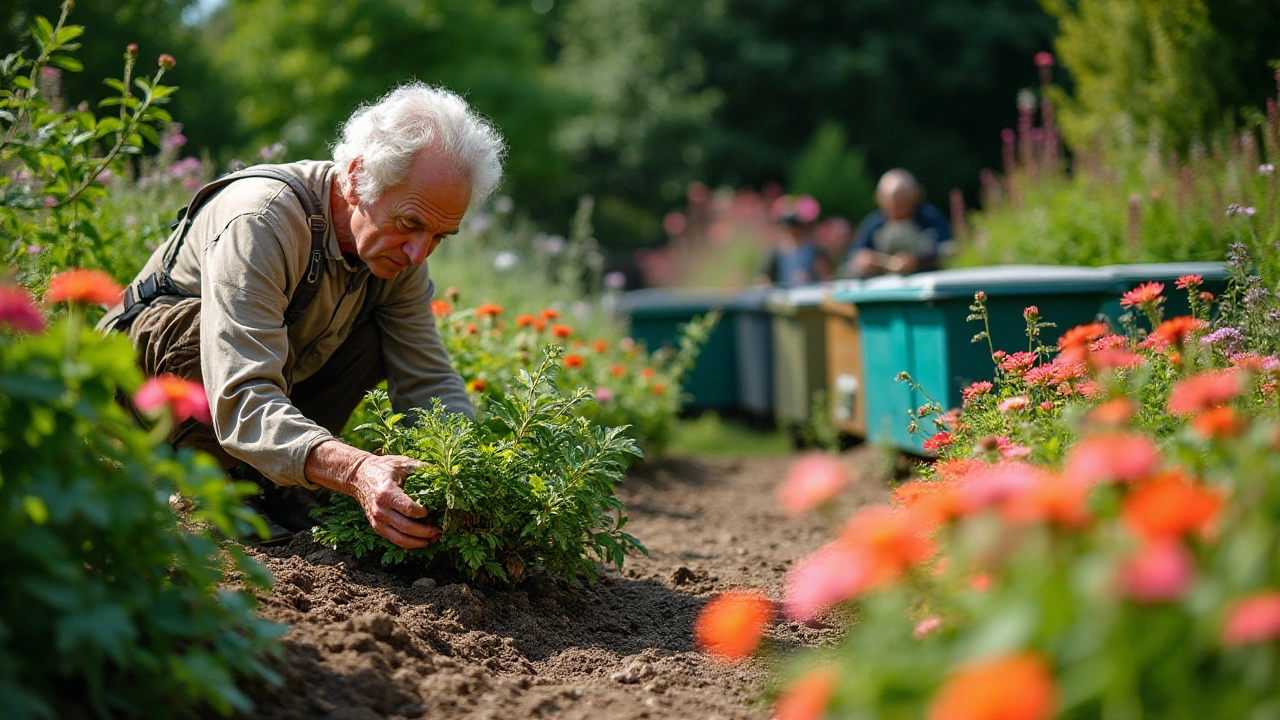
367,643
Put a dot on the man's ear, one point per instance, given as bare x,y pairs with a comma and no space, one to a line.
349,187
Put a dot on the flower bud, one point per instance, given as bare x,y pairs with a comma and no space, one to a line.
167,62
453,294
980,296
1031,313
131,49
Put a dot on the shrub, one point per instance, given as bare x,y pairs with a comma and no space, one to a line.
529,483
112,604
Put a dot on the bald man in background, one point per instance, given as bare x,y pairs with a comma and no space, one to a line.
905,235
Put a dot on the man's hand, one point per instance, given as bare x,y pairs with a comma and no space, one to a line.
903,263
866,263
393,514
375,482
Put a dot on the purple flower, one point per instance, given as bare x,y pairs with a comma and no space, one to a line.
1245,210
603,394
1227,339
174,141
1256,296
1266,168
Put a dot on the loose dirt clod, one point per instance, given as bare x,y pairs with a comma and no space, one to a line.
368,643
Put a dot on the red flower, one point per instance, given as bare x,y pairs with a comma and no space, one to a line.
1145,295
1044,59
83,286
476,386
561,331
1013,687
1253,619
890,539
1189,282
732,625
440,307
600,346
489,310
1169,506
573,361
812,480
550,314
1111,457
1161,571
807,697
939,440
539,324
1082,335
1175,330
1018,363
18,311
977,389
525,320
472,328
184,398
1204,391
617,370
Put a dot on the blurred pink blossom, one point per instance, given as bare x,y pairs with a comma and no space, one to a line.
1253,619
18,310
1160,571
814,479
834,573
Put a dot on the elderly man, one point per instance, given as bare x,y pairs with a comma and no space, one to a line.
288,315
903,236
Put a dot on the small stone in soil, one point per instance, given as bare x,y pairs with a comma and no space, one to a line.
323,556
423,583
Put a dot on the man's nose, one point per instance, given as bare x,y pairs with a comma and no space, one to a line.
418,249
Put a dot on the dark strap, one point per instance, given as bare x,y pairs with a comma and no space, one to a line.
140,294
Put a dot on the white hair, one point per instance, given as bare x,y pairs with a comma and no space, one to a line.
388,134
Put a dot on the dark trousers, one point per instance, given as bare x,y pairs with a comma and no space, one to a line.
167,339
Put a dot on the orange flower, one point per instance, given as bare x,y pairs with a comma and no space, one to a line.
1176,330
1189,282
18,311
833,573
1053,500
1205,391
1012,687
1253,619
1116,411
1081,335
1112,457
812,480
525,320
472,329
617,370
489,310
893,540
659,389
476,386
807,697
539,324
573,361
1219,422
83,286
1145,295
647,372
732,625
1168,506
600,346
550,314
440,307
561,331
929,503
185,398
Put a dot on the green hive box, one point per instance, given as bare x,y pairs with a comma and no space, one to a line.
918,324
799,351
1176,303
656,315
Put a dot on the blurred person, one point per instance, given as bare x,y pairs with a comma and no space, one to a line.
290,296
905,235
797,257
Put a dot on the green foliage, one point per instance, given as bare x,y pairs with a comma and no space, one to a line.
113,603
834,174
531,482
54,159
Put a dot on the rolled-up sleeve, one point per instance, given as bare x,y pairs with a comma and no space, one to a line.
244,288
418,366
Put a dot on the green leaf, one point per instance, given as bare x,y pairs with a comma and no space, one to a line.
35,509
66,62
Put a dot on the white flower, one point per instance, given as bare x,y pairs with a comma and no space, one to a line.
505,260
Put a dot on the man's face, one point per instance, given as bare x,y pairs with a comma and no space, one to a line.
408,221
899,205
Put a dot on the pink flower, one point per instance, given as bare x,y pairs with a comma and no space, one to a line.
1189,281
1161,571
938,440
18,311
926,626
977,389
1145,295
1112,457
1204,391
185,398
1020,402
1010,450
1044,59
834,573
813,479
1253,619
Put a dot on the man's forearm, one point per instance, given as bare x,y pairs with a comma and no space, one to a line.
333,464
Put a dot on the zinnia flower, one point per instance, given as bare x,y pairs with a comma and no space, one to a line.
489,310
603,394
1145,295
1205,391
834,573
600,346
561,331
807,697
1019,402
186,399
937,441
1116,411
1081,335
1169,506
18,311
1161,571
550,314
1217,423
926,626
813,479
1175,330
476,386
1018,363
1051,500
440,307
617,370
1253,619
1112,457
659,389
83,286
732,625
1189,282
573,361
977,389
525,320
1012,687
891,539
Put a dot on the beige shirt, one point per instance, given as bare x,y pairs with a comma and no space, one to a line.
246,252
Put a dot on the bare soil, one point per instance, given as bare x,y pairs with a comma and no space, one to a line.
370,643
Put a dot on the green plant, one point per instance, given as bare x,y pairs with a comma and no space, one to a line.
114,604
531,482
54,159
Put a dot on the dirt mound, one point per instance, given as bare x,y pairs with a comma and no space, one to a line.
369,643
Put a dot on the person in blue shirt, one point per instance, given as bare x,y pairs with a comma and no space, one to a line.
797,259
904,236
